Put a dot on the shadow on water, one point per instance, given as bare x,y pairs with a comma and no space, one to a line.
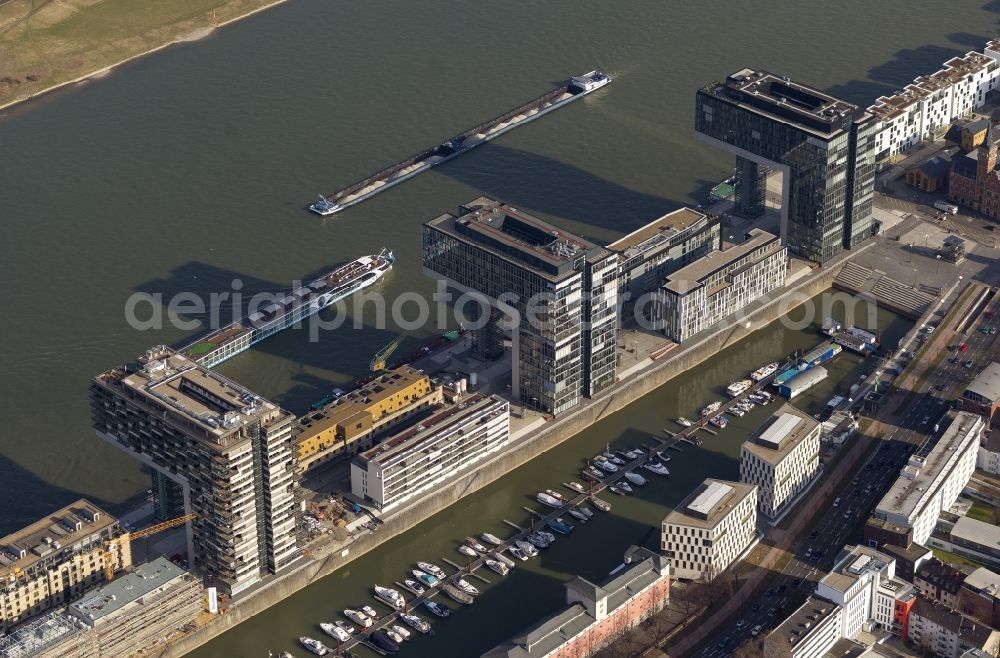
22,510
543,184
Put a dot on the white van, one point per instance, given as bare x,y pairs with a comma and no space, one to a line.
944,206
836,503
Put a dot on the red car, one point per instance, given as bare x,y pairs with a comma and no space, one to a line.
964,347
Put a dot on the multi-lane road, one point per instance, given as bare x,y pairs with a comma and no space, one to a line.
842,521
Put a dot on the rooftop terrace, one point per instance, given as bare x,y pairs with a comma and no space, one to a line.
780,434
709,503
659,231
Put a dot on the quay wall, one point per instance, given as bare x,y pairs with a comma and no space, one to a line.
548,437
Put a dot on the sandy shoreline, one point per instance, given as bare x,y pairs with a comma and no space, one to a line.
194,35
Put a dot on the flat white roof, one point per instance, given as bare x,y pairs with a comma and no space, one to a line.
780,430
709,498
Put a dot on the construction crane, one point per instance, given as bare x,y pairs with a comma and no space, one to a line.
109,567
378,362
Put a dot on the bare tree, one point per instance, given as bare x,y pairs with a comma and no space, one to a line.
751,648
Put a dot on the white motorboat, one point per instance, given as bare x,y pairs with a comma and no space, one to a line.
518,553
465,550
526,547
548,535
370,611
475,545
575,486
616,490
578,515
401,631
416,623
624,486
738,411
602,505
615,459
394,636
335,632
390,597
684,422
315,646
344,626
583,507
555,494
720,421
414,586
498,567
656,467
711,408
593,473
437,608
358,617
467,587
432,569
492,539
546,499
538,541
606,466
635,479
425,578
736,389
764,372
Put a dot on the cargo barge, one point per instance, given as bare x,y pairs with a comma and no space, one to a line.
292,308
855,339
380,181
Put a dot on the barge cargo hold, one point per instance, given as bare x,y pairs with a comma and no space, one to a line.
291,309
380,181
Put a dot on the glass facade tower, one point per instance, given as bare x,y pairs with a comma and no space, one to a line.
824,147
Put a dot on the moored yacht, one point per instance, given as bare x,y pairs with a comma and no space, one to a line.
315,646
575,486
414,586
764,372
335,632
358,617
467,587
577,514
498,567
437,608
416,623
390,597
526,547
466,550
600,504
475,545
425,578
432,569
518,553
711,408
684,422
491,539
635,479
546,499
737,389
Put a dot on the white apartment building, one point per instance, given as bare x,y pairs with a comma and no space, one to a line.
710,528
809,632
943,632
932,102
929,485
863,582
435,451
781,458
719,284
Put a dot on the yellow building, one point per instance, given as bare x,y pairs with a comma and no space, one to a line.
352,422
55,560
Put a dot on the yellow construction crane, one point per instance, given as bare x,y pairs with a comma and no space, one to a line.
109,567
378,362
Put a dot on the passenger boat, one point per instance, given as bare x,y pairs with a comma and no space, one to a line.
425,578
370,611
498,567
635,479
764,372
416,623
390,597
602,505
414,586
684,422
344,626
315,646
465,550
358,617
383,641
475,545
548,500
526,547
401,631
656,467
437,608
492,539
432,569
711,408
518,553
720,422
335,632
560,526
577,514
467,587
575,486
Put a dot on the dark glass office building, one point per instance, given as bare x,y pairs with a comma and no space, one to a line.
824,146
564,289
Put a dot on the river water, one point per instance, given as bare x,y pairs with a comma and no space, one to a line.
189,169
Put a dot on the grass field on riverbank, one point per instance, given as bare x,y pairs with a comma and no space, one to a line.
47,43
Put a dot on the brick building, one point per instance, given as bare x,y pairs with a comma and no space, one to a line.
974,180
